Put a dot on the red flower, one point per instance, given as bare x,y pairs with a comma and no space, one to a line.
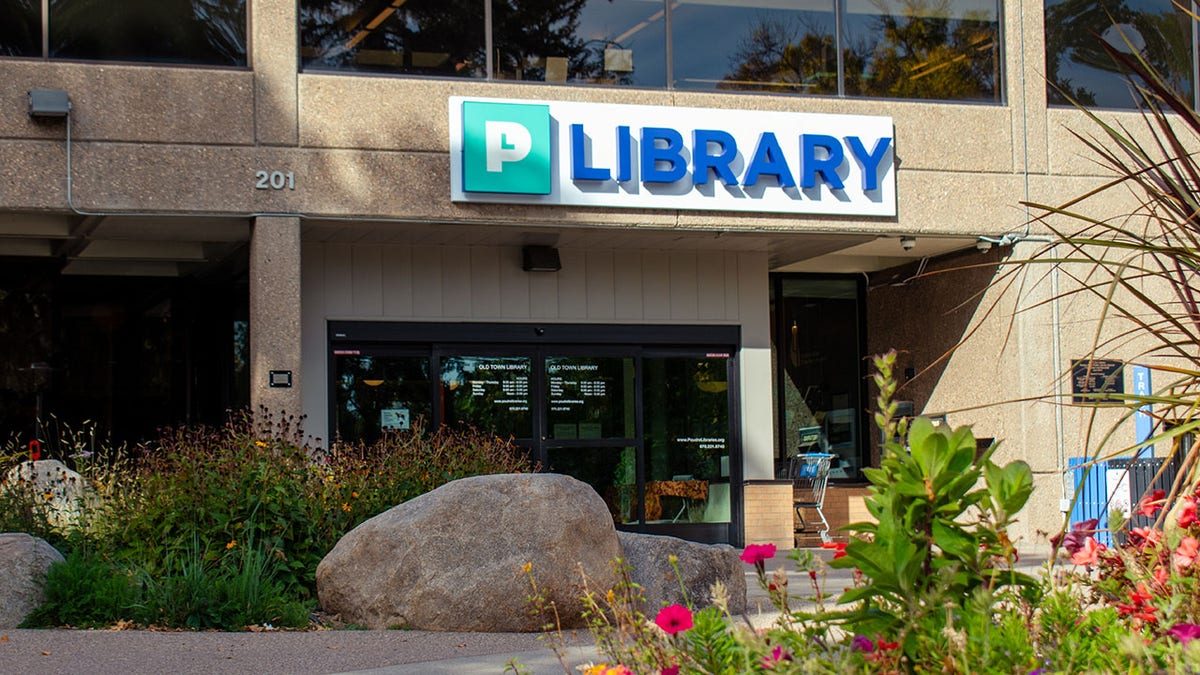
669,670
839,548
884,645
1186,554
1187,514
757,554
1152,503
1074,540
1089,553
674,619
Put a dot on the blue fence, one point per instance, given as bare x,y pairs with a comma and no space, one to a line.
1095,491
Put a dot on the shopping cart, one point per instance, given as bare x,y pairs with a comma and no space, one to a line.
809,473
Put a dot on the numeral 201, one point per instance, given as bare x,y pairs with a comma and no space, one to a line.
274,180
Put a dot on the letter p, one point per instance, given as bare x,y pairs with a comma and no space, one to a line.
505,142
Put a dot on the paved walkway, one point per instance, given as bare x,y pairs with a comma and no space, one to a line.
396,652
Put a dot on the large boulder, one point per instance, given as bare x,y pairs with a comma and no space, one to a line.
49,482
700,566
453,558
24,561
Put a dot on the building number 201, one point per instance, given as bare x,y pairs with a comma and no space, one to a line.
274,180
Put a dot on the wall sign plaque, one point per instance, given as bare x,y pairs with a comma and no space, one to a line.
1092,379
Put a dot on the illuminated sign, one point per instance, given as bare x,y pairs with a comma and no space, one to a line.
627,156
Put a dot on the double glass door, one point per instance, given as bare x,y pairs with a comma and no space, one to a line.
649,428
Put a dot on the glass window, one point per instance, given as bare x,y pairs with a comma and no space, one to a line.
589,398
620,42
686,439
488,392
611,471
209,32
21,28
1077,65
418,37
923,49
766,45
378,393
819,360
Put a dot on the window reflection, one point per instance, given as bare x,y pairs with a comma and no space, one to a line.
760,46
1077,65
209,32
488,392
611,471
21,28
422,37
686,440
923,49
378,393
589,398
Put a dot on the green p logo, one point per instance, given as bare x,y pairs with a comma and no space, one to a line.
506,148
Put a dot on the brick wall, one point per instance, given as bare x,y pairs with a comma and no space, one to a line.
767,512
843,505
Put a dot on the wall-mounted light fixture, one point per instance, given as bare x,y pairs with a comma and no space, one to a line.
49,103
907,243
540,259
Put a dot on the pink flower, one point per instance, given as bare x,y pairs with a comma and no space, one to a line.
757,554
777,654
1187,514
1184,632
862,643
1089,553
1186,554
1141,537
674,619
669,670
1152,503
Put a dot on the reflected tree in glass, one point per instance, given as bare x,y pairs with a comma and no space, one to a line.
927,49
1077,66
788,55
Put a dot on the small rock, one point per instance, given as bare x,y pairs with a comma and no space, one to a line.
24,560
700,566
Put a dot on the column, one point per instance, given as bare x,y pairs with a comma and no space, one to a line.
273,25
275,315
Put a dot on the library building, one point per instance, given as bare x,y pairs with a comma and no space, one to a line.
653,242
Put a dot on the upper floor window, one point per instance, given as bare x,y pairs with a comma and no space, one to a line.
1077,67
926,49
203,32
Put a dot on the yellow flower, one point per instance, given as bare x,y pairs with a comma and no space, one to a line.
354,495
231,544
345,507
527,567
260,444
610,596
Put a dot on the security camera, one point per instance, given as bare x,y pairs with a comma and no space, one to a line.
907,243
983,245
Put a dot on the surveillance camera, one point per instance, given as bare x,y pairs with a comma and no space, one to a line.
907,243
983,245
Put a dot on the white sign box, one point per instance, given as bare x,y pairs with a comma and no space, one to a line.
650,157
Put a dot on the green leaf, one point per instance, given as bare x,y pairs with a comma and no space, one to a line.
954,541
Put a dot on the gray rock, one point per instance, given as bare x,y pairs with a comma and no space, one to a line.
452,558
700,566
24,560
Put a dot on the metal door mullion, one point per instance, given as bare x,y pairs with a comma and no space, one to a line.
639,429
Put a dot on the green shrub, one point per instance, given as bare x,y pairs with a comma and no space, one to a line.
84,592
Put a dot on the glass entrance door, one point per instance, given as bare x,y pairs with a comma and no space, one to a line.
648,427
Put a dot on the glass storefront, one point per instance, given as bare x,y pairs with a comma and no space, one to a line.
649,426
818,350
